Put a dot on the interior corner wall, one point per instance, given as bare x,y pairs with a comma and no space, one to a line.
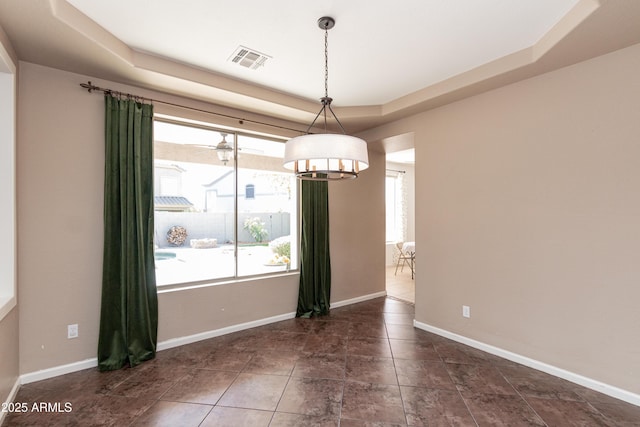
60,171
528,211
357,232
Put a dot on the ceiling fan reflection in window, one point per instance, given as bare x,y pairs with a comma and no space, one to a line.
224,150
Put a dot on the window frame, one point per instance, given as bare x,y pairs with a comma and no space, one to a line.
250,191
233,136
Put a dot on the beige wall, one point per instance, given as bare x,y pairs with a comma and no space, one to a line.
528,211
60,190
60,167
357,232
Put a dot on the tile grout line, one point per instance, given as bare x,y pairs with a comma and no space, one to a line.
395,368
466,405
521,396
344,376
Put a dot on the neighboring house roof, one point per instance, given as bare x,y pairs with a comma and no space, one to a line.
172,203
217,180
159,165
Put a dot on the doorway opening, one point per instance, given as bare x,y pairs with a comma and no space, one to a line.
400,225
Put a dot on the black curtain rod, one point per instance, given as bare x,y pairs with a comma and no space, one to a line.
91,87
394,170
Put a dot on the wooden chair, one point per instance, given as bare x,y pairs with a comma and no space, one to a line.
403,258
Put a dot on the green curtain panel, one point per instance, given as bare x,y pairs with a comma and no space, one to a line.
315,266
129,311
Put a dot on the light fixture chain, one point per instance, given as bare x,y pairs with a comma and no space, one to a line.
326,62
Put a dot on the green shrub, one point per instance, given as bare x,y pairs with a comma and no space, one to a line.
255,227
281,246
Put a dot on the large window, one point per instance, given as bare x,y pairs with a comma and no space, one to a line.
221,220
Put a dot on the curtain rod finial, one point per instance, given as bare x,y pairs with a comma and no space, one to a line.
87,86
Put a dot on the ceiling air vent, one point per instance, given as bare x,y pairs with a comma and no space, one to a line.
248,58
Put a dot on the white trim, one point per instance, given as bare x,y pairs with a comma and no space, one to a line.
176,342
58,370
358,299
10,398
164,345
6,305
178,287
607,389
6,62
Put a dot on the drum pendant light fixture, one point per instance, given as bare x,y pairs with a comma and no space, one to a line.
326,156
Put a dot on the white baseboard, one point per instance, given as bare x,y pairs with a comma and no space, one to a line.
176,342
358,299
607,389
164,345
10,398
58,370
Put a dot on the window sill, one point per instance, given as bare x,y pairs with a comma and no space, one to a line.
162,289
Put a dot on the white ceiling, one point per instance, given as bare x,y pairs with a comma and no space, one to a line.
387,60
372,44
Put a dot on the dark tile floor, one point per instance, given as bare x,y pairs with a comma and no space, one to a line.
362,366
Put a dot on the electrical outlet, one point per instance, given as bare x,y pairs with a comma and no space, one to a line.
466,311
72,331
